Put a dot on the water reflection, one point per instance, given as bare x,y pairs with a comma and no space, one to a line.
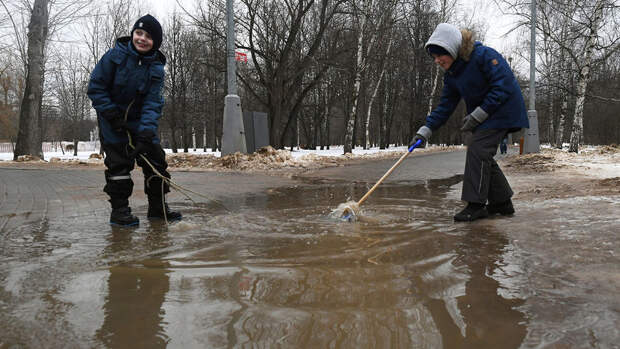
479,317
133,315
288,278
280,274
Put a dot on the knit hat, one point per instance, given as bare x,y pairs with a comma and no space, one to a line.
149,24
436,49
447,37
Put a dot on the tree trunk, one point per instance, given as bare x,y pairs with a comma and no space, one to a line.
359,70
435,83
584,78
29,137
559,136
374,94
566,77
551,131
382,118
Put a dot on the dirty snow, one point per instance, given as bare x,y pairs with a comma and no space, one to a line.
602,162
266,159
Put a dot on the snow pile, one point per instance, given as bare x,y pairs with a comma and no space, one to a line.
264,159
268,159
596,161
29,158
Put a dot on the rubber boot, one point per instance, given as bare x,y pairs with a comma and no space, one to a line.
122,216
156,210
504,208
472,212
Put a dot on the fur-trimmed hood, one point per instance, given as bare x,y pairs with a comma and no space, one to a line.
467,44
459,43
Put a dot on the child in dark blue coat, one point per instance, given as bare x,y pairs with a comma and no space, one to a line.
483,79
126,91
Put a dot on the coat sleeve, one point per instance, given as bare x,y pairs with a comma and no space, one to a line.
153,102
500,78
101,80
448,102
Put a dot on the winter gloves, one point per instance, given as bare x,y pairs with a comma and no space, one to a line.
424,133
116,120
142,144
471,121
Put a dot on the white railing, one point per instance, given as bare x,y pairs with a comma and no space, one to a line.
56,147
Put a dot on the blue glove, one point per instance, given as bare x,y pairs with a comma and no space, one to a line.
471,121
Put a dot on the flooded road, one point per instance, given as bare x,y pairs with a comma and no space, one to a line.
272,270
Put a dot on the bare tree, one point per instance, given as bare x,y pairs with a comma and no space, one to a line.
591,38
29,134
283,39
593,23
107,22
10,88
72,77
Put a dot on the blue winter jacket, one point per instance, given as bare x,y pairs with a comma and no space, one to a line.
485,81
121,78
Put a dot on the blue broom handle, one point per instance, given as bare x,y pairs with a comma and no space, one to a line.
415,145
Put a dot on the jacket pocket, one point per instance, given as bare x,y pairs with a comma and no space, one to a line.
157,77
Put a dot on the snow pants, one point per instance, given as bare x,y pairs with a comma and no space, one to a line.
119,185
483,179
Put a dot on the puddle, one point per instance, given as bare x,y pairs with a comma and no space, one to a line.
273,272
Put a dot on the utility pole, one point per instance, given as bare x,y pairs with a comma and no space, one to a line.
233,134
531,142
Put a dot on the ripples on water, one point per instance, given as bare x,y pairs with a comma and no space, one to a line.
279,272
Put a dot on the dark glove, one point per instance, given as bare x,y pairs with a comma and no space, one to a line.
142,144
471,121
115,118
416,138
424,133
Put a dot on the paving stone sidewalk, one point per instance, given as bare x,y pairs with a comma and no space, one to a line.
30,195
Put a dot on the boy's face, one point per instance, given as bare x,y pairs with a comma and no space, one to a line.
142,40
444,61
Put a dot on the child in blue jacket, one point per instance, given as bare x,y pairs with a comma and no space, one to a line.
483,79
126,91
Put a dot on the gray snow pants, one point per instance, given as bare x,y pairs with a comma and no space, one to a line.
483,179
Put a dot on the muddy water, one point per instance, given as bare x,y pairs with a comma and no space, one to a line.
273,272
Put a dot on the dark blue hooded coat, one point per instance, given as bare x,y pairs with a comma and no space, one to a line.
484,80
121,78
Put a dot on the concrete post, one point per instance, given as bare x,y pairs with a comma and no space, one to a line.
233,137
531,143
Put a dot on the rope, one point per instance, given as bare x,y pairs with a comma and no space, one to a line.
167,180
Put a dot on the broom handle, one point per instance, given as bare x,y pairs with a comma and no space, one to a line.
402,158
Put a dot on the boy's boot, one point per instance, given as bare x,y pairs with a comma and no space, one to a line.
472,212
157,207
504,208
122,216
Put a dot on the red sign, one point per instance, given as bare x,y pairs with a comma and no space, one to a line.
241,57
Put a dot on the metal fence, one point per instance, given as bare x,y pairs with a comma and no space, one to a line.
49,147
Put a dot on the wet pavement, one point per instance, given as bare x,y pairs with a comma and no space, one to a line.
267,268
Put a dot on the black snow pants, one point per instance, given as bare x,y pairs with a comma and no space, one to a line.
483,179
119,185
